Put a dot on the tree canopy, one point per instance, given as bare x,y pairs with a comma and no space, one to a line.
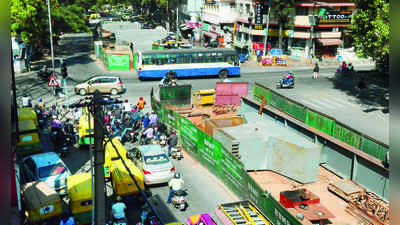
283,11
370,30
29,19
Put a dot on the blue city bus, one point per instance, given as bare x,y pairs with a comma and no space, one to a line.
187,63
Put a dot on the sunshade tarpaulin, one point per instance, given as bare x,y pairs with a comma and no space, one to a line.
327,42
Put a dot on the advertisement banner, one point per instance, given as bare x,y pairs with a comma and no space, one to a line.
177,118
210,154
258,22
334,18
189,134
254,191
232,173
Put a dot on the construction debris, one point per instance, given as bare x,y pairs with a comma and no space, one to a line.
373,206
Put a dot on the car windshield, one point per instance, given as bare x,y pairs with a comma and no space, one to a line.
51,170
156,159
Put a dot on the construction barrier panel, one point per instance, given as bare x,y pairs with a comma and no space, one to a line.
370,147
117,61
297,110
278,101
277,213
259,90
254,192
382,153
319,122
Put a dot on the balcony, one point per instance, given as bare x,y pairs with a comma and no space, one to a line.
302,20
305,35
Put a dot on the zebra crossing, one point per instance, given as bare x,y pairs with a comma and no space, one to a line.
328,103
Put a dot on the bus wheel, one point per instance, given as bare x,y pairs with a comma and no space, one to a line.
223,74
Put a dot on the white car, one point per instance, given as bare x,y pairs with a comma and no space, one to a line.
155,165
48,167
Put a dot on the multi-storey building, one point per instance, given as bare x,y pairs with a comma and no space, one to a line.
217,19
328,34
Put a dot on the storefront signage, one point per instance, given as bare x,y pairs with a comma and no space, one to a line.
259,17
276,51
335,17
258,45
210,1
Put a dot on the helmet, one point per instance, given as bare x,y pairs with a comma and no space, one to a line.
141,98
117,106
173,132
40,100
177,175
126,100
118,199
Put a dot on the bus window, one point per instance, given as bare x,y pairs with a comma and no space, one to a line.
172,59
186,58
179,58
195,58
219,57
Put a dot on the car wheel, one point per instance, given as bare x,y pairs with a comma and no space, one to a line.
82,92
114,92
223,74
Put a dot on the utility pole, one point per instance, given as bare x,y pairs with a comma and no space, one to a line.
99,186
14,98
177,22
266,30
51,38
311,33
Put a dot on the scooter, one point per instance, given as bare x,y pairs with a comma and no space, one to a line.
129,135
176,153
286,83
69,134
58,137
163,140
44,74
178,200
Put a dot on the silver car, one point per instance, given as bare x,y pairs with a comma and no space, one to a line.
155,165
48,167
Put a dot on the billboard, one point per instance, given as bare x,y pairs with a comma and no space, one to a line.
258,22
334,17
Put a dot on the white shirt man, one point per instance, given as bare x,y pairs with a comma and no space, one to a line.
126,106
118,210
26,101
176,184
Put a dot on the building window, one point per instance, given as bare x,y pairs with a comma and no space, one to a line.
247,9
301,11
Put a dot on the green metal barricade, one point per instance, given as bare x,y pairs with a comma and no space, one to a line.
370,147
259,90
382,152
319,122
296,110
278,101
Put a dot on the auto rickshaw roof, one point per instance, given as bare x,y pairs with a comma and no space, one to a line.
79,186
110,148
132,167
26,113
26,125
38,194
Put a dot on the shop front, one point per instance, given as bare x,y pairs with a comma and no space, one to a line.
327,48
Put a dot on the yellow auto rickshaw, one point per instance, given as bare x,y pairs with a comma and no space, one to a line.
29,139
83,130
27,113
41,202
111,156
80,195
122,183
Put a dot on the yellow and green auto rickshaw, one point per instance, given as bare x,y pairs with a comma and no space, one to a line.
27,113
41,202
80,195
122,183
83,130
111,156
29,139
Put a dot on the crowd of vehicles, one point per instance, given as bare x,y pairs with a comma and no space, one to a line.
149,163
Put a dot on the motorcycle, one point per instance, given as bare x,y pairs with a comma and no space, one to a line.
285,82
176,153
129,135
39,114
59,140
44,74
163,140
69,134
178,200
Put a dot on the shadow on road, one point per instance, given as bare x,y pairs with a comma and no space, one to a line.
375,95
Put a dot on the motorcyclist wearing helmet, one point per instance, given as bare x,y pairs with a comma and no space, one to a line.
175,184
172,142
118,209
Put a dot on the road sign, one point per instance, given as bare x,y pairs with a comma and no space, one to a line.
275,51
53,82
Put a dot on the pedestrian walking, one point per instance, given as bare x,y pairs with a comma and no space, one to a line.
360,87
316,71
26,101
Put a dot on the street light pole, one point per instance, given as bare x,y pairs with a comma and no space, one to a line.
311,33
51,38
266,30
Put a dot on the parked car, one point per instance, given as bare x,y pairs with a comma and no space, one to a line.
48,167
105,84
155,165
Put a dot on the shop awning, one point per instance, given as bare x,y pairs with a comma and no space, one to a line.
211,35
326,42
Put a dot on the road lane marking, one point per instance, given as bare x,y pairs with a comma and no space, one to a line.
323,104
312,105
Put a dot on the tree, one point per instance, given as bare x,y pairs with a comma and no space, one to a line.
283,12
370,30
29,20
